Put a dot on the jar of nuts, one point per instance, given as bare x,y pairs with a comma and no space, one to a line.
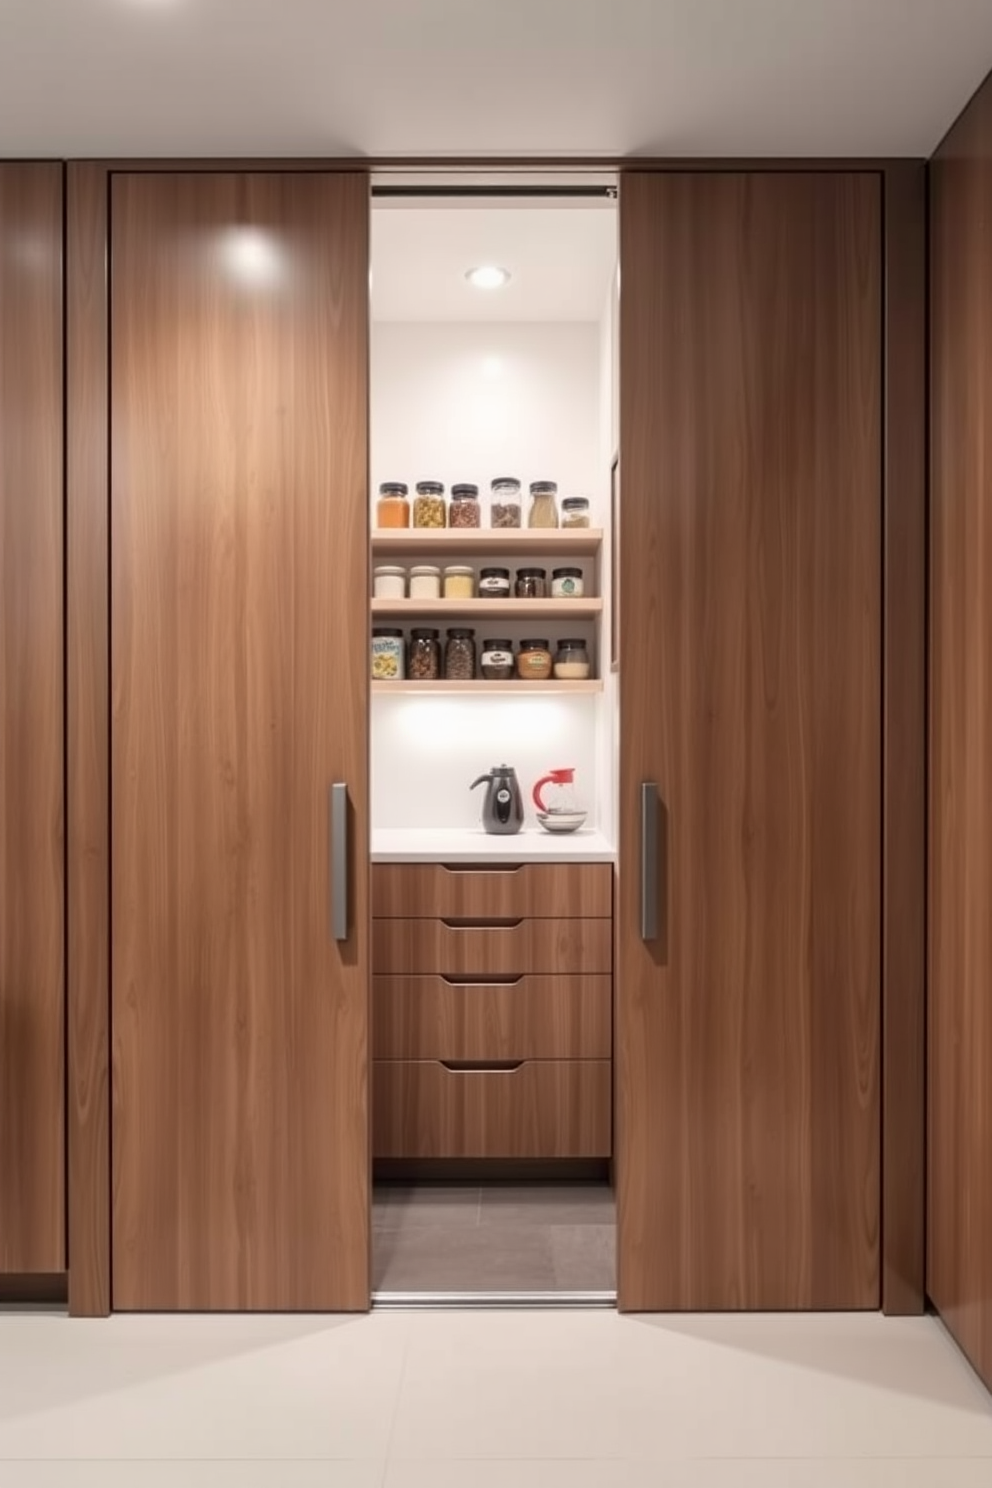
428,505
465,510
423,662
459,656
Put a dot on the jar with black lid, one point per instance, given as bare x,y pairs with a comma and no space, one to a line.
532,583
494,583
497,660
566,583
534,660
429,509
423,661
504,510
459,656
575,511
543,504
572,660
464,510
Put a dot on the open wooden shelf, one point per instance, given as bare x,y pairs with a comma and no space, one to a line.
489,689
496,610
469,542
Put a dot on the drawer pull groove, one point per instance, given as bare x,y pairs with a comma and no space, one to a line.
505,870
483,980
482,1067
480,924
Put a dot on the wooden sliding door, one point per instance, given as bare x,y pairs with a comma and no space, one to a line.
749,916
239,355
32,951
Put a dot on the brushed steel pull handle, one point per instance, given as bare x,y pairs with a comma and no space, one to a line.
649,860
339,860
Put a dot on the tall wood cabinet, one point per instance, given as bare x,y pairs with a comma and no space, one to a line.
32,1067
239,762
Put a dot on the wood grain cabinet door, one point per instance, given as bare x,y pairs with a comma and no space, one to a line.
32,879
239,435
750,584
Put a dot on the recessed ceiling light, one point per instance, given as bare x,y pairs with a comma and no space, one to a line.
488,277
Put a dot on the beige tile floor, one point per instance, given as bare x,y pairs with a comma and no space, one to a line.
489,1400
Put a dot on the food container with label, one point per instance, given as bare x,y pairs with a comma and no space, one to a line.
494,583
497,660
532,583
575,511
459,656
504,508
543,504
387,655
392,509
425,582
566,583
389,583
572,661
428,505
465,510
534,661
459,582
424,657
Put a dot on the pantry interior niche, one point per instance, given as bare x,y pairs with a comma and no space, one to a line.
494,431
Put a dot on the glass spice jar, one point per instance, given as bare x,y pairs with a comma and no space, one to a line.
494,583
543,504
497,660
424,656
505,509
465,510
392,509
532,583
428,505
572,661
459,582
534,661
425,582
575,511
459,656
387,655
566,583
389,583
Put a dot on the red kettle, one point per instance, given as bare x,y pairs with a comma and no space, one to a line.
554,777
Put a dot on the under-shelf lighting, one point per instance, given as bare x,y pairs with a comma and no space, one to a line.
488,276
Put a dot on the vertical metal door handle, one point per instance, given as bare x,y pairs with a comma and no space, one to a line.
339,861
649,860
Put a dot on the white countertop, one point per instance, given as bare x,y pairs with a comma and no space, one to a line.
453,845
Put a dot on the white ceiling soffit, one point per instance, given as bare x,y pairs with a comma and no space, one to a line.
486,77
561,260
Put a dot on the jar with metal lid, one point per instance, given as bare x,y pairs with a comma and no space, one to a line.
425,582
567,583
543,504
494,583
505,508
532,583
389,583
428,506
459,582
424,656
465,510
534,661
572,661
459,656
575,511
387,655
497,660
392,509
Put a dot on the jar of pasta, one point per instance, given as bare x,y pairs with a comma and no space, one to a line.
543,504
428,505
392,509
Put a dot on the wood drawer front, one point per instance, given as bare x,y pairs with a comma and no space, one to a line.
437,947
542,1108
537,1017
550,890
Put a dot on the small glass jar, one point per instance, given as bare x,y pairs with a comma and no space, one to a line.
424,656
532,583
494,583
572,661
459,582
497,660
387,655
567,583
459,656
428,506
392,509
389,583
534,661
543,504
575,511
425,582
465,510
505,509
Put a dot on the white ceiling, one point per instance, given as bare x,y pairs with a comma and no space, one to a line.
457,77
561,259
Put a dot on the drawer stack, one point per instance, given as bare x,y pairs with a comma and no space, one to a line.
492,1016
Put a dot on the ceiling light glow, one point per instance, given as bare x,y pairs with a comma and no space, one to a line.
488,276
